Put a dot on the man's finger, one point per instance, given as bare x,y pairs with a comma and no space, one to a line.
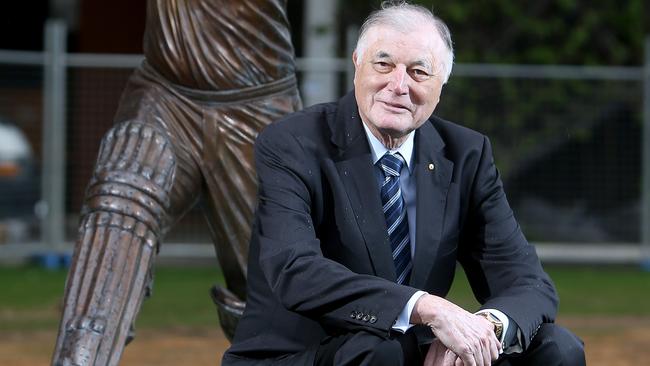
450,359
486,356
435,354
467,358
479,352
495,349
480,355
490,349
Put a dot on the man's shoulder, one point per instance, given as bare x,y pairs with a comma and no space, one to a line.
310,121
305,120
455,134
309,128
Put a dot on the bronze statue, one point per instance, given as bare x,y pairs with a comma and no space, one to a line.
216,72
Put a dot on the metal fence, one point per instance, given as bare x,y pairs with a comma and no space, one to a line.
572,144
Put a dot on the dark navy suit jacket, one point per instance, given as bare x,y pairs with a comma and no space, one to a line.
320,261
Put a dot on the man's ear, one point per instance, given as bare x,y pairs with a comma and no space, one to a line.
354,62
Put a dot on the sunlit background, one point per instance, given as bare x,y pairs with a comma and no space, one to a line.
561,87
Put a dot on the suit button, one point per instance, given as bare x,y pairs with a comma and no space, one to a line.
373,319
359,316
353,314
366,318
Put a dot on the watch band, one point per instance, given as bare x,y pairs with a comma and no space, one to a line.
498,325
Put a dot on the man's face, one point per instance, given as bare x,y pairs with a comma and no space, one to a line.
399,79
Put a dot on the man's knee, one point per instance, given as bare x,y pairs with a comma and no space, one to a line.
386,353
361,348
556,345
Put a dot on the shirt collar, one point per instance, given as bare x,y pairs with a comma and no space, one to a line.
378,149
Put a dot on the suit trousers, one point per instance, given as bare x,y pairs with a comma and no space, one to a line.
553,345
367,349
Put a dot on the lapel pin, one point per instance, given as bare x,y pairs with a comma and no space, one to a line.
431,166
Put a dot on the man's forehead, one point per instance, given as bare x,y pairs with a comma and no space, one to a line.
386,41
424,59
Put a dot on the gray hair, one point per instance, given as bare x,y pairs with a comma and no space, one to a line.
400,15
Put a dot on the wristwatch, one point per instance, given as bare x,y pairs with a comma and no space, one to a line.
498,325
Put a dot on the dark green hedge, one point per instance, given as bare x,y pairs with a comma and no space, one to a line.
599,32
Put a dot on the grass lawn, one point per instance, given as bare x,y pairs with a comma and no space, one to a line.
585,290
30,298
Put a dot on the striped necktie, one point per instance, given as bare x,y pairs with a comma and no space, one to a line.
395,213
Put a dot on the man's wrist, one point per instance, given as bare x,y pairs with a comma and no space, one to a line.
424,309
403,321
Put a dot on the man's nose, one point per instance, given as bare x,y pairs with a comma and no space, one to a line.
399,80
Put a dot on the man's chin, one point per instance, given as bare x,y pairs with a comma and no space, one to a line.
395,132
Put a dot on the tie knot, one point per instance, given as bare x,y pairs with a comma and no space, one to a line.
391,164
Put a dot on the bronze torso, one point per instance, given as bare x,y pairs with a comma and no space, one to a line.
219,44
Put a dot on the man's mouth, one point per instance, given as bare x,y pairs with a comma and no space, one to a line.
396,106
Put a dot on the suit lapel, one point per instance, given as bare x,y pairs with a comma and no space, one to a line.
355,168
433,176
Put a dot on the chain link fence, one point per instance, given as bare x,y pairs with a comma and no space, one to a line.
568,140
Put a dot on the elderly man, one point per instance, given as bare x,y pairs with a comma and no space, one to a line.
365,206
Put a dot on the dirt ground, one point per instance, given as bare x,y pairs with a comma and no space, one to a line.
609,341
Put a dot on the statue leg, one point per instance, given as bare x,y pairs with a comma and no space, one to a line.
126,210
229,172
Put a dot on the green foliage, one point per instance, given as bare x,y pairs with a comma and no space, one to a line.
600,32
528,118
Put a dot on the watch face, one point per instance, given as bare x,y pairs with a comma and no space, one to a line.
498,329
498,326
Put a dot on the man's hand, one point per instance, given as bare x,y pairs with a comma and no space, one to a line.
439,355
470,337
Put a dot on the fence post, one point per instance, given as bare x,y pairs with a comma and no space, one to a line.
351,34
645,184
319,42
54,133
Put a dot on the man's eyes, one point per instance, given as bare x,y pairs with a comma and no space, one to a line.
420,74
416,73
381,65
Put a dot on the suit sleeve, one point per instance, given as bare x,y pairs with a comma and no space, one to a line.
502,267
290,257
